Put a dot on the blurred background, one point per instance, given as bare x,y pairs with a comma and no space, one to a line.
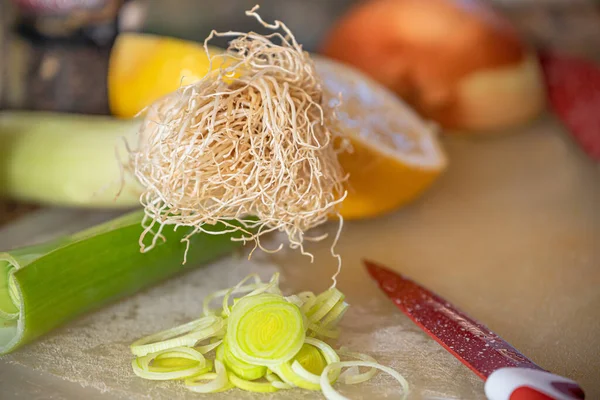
569,25
53,61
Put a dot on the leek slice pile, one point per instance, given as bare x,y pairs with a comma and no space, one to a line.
258,340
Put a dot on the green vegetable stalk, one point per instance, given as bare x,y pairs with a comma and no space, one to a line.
65,159
43,286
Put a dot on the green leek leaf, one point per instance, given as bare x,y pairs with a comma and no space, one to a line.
44,286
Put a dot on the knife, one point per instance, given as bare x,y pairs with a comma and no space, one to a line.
509,375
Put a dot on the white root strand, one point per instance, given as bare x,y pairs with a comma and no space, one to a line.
254,138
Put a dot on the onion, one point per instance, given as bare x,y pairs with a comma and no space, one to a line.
457,62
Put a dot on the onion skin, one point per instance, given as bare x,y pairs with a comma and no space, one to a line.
456,62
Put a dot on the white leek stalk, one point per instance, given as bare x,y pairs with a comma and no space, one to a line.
65,159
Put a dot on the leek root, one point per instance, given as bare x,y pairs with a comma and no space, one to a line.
257,137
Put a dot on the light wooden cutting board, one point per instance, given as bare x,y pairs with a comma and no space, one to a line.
510,234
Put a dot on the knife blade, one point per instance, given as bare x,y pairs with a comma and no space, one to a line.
476,346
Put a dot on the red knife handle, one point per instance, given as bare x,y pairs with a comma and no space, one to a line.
530,384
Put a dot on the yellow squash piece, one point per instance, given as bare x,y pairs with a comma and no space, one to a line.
145,67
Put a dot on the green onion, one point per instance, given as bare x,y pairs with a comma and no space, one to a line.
65,159
265,348
43,286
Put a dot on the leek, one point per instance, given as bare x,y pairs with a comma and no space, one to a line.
218,381
265,330
237,366
65,159
144,366
43,286
331,394
265,347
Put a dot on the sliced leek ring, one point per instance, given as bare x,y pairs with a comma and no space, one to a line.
184,335
218,380
353,376
263,342
311,359
331,394
207,311
237,366
208,347
295,373
142,366
324,303
250,386
265,329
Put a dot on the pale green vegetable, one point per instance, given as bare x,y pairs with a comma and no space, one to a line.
265,346
46,285
276,381
184,335
332,394
242,369
265,329
66,159
218,381
144,366
353,375
250,386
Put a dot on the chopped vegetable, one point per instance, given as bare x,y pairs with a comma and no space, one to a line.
331,394
45,285
265,329
265,342
145,367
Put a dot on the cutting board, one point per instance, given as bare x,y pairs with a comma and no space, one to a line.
510,234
